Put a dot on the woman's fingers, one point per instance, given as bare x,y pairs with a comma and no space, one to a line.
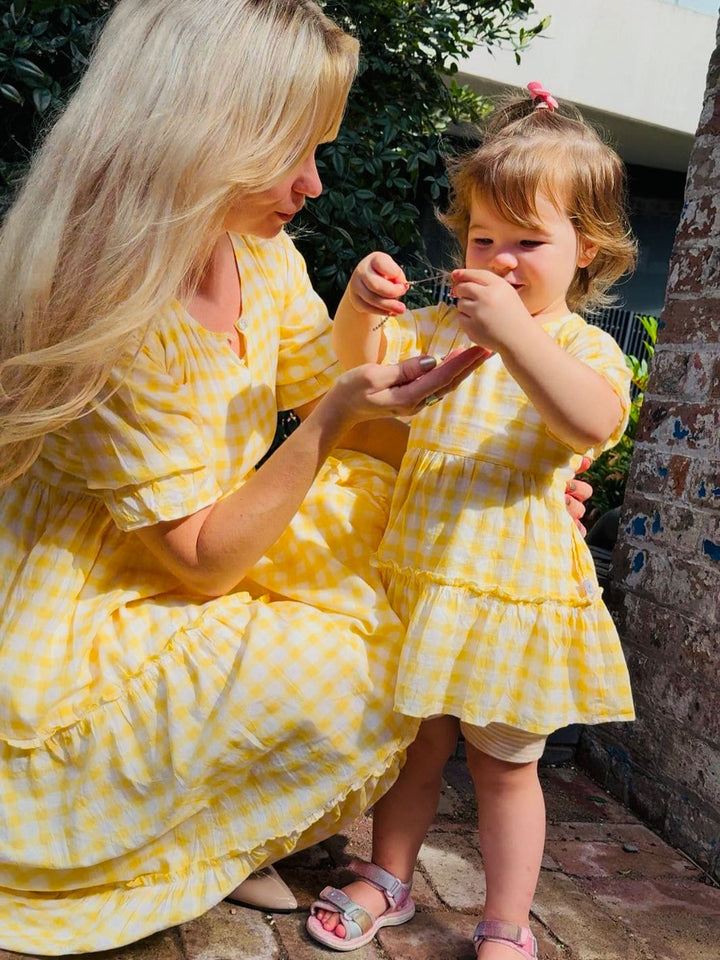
375,390
579,490
415,381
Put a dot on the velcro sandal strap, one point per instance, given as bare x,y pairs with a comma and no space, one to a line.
348,909
522,937
396,892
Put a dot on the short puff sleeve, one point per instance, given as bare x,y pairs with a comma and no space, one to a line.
602,354
307,366
144,449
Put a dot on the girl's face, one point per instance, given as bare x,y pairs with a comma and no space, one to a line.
539,263
264,214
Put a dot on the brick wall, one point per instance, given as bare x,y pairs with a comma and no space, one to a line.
665,593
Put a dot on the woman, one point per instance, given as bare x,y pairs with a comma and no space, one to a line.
197,658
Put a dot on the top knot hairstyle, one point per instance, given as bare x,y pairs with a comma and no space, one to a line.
532,144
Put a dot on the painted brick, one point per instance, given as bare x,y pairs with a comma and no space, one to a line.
688,586
696,269
703,483
687,375
649,469
688,426
692,320
702,174
701,212
700,649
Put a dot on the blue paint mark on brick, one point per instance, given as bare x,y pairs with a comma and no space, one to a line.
657,527
711,549
680,432
638,526
662,471
638,561
702,491
715,491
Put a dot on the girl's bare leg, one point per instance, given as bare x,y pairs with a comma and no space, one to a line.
511,822
403,816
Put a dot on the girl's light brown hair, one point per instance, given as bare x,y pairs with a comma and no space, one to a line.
187,107
528,150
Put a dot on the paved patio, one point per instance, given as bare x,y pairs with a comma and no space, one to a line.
610,889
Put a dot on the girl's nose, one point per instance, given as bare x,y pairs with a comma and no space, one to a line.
503,262
307,181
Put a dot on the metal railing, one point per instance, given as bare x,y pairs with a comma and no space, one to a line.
624,327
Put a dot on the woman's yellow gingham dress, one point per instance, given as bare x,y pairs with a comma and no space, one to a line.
482,562
155,747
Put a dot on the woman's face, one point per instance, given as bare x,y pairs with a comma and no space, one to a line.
264,214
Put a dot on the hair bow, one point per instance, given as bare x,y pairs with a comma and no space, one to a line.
545,100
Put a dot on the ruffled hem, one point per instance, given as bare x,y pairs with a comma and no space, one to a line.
587,594
537,666
111,916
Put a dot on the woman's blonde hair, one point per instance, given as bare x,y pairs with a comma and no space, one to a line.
187,107
528,150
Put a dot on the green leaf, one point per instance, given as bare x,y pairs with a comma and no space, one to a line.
42,98
11,93
28,70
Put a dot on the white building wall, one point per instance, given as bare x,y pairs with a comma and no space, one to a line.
633,64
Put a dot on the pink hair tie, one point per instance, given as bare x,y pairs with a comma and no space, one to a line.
543,99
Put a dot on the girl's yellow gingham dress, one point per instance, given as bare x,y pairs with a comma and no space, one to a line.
155,746
505,621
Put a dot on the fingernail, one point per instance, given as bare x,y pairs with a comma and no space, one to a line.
427,363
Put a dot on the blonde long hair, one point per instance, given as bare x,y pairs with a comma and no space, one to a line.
526,150
185,107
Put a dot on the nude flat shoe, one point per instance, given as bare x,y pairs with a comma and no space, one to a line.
265,890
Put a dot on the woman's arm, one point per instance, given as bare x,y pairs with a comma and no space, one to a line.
210,551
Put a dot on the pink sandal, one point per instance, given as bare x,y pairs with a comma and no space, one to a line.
512,935
360,925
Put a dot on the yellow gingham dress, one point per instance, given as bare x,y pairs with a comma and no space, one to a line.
482,562
156,746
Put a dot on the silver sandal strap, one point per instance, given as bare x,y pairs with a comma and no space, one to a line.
395,891
500,930
347,908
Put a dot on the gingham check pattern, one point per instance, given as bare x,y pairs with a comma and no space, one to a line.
482,561
155,747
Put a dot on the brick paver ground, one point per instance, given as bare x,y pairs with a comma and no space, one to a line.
610,889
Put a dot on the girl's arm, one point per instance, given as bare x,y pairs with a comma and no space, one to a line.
371,295
578,405
210,551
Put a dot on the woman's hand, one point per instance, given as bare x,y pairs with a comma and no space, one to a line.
576,493
400,390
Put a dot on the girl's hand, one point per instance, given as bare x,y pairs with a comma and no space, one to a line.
490,309
375,285
376,390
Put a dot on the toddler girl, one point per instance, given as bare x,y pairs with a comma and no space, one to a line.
507,635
